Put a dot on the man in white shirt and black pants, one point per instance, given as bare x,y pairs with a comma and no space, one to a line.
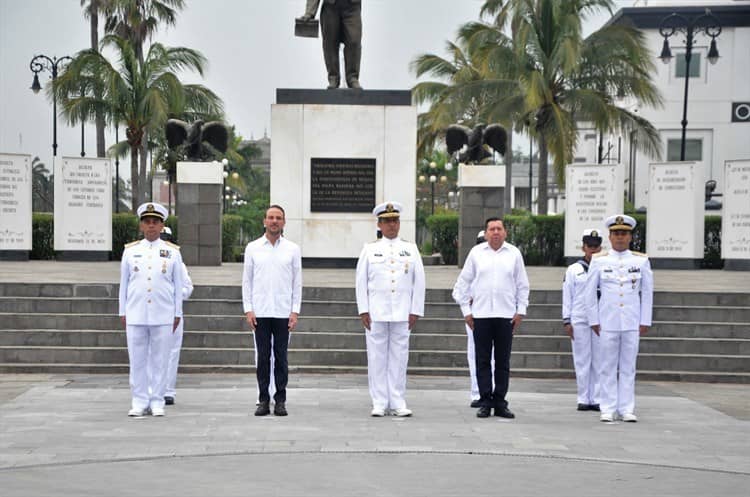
272,297
493,292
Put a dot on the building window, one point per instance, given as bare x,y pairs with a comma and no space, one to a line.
695,65
693,149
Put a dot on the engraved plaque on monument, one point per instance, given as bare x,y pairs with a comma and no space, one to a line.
675,221
342,185
15,206
83,208
735,221
592,193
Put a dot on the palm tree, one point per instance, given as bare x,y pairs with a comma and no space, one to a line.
142,96
545,77
42,187
138,20
565,78
91,11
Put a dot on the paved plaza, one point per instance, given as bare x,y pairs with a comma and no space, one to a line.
69,435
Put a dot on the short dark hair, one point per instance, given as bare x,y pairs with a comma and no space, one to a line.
491,219
276,206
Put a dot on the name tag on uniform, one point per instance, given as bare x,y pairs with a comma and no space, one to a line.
607,270
165,253
377,255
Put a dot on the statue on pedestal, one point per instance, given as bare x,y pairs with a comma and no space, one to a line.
474,140
199,141
340,22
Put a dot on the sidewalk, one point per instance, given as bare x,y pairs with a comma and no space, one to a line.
70,436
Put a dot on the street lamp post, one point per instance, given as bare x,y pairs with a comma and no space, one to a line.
706,23
38,64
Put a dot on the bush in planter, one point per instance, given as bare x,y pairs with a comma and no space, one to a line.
444,228
539,238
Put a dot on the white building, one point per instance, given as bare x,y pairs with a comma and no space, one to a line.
718,101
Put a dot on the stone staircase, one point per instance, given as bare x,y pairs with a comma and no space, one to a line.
74,328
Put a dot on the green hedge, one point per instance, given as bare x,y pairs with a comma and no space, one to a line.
444,228
125,230
541,238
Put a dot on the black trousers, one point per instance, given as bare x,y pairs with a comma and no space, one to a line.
342,23
489,333
278,329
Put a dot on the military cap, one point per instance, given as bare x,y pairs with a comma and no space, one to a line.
152,209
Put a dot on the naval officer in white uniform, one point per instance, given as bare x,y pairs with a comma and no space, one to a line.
390,297
584,342
621,314
174,350
151,282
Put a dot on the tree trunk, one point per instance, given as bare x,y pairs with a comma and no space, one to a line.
543,166
100,143
508,173
134,180
144,176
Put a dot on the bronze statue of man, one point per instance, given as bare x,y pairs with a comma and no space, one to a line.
340,22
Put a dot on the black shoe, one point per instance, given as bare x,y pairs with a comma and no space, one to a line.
584,407
263,409
475,403
279,409
483,412
594,407
333,83
504,412
354,84
168,400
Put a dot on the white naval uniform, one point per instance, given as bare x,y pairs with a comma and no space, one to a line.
585,343
626,284
151,283
390,287
174,351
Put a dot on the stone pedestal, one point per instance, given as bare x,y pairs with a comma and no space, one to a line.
336,154
199,212
675,222
481,189
735,221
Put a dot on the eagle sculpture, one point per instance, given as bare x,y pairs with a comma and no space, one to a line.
457,136
192,138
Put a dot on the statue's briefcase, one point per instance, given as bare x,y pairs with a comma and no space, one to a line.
306,29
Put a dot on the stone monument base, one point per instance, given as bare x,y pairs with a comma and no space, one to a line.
335,155
737,264
481,197
199,212
669,263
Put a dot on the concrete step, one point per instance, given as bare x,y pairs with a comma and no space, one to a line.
99,290
345,340
51,305
358,357
677,329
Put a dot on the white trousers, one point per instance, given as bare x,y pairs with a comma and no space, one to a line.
387,359
148,349
173,362
472,360
585,345
619,351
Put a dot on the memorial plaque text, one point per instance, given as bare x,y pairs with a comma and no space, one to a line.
342,185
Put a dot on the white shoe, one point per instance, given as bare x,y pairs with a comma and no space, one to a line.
377,412
606,417
402,412
629,417
136,413
157,411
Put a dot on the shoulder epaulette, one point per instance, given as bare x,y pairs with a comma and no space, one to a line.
640,254
173,245
600,254
128,245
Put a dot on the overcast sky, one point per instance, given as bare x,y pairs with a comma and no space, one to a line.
250,47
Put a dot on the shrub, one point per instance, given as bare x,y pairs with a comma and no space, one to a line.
42,236
444,228
541,239
230,238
